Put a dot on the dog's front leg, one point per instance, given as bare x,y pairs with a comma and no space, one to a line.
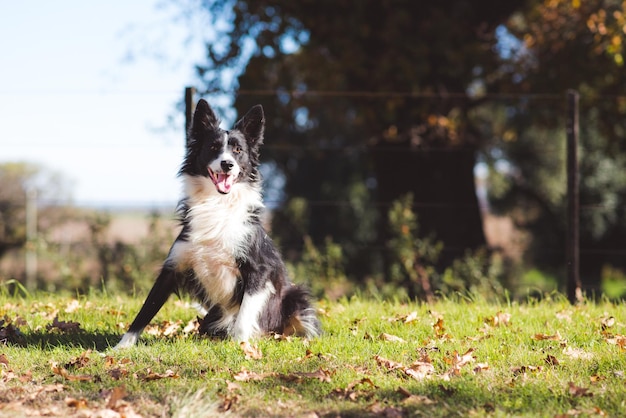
252,305
163,287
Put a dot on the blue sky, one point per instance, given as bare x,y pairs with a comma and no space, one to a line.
86,89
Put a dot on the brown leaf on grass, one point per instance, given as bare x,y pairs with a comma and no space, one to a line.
116,394
419,370
480,367
551,360
192,327
541,337
251,351
4,360
321,374
407,319
577,391
150,375
618,340
246,376
439,328
61,371
388,364
564,315
459,360
78,362
411,399
607,322
391,338
63,326
577,353
499,319
9,331
596,378
76,403
282,337
163,329
309,354
350,393
385,411
117,373
72,306
522,370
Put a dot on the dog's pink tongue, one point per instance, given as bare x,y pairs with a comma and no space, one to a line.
224,182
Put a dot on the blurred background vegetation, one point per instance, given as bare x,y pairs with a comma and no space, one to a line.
413,149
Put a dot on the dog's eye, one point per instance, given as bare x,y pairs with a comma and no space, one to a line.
237,149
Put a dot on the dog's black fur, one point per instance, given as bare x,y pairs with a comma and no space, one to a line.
223,256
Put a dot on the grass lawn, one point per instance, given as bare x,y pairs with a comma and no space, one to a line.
451,358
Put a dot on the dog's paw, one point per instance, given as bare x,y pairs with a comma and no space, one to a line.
128,340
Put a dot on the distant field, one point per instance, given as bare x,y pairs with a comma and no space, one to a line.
452,358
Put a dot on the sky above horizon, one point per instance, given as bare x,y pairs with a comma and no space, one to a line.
86,91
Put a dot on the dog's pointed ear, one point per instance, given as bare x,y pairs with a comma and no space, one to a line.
252,125
204,119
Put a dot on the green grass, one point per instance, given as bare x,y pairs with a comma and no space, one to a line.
511,372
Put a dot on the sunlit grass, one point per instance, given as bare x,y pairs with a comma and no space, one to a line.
534,359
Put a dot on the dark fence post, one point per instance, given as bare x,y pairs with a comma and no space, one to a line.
574,286
190,92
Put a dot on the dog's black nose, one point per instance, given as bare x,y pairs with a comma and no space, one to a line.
227,165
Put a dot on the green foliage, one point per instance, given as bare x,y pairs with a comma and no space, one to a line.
413,257
477,273
322,269
613,282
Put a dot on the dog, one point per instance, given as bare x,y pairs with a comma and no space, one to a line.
223,257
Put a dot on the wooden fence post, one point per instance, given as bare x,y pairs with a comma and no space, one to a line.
190,92
31,238
573,285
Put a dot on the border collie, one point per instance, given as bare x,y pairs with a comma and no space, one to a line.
223,256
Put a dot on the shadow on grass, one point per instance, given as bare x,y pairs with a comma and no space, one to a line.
46,340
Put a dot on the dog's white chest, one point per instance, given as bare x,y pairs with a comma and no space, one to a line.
220,229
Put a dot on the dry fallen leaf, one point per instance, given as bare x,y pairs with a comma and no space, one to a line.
411,399
72,306
246,376
76,403
251,351
61,371
577,391
392,338
407,319
321,374
117,394
554,337
499,319
78,362
419,370
577,353
607,322
150,375
63,326
551,360
618,340
350,393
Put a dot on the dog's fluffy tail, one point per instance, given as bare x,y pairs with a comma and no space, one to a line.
298,314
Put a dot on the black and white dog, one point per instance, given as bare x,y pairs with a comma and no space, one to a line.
223,256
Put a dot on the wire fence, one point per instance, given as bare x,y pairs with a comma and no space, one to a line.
514,100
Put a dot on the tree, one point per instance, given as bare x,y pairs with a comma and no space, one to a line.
360,111
556,45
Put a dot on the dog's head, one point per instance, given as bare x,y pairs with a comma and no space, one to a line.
226,157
